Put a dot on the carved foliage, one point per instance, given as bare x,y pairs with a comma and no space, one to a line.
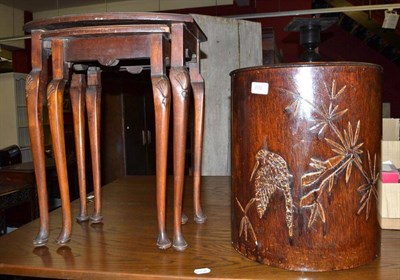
346,150
180,80
31,82
271,172
54,86
161,89
245,224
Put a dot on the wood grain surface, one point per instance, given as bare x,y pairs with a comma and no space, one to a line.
112,19
123,246
305,164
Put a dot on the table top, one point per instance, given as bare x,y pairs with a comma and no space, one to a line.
123,246
26,167
114,18
6,189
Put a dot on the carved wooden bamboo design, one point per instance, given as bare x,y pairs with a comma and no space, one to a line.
312,136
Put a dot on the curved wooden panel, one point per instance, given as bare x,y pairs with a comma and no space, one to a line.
305,164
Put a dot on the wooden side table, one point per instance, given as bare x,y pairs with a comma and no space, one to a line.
88,44
23,173
17,186
14,194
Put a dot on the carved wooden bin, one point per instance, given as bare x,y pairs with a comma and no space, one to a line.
305,164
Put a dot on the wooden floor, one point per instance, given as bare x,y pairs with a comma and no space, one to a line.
123,247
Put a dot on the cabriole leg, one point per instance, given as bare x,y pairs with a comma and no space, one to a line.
77,95
93,102
179,77
55,94
35,88
198,94
35,84
162,101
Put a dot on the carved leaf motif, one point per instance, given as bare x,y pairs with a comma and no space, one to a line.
313,215
331,92
249,204
365,204
29,82
364,197
317,164
308,199
310,178
368,188
337,146
294,107
333,89
334,161
347,139
372,168
357,148
252,232
331,183
317,210
339,114
183,80
350,130
245,227
340,91
241,227
245,224
51,88
348,153
321,212
368,209
328,164
348,171
375,192
325,110
363,188
162,86
331,109
321,125
321,132
317,125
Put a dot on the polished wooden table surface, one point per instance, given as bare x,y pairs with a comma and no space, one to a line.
122,247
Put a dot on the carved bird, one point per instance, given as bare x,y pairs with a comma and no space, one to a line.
271,173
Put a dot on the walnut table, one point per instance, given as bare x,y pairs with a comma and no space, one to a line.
86,45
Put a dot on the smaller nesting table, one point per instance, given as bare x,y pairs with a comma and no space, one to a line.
85,45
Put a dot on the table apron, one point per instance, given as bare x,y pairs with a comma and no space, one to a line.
116,47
